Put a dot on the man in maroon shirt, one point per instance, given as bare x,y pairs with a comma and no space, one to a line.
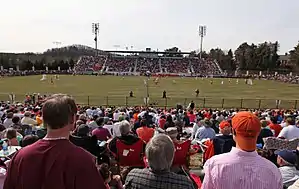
101,133
54,162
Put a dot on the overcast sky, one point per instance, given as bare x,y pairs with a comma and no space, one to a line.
33,25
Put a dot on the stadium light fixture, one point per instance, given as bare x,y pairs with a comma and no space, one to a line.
95,31
202,30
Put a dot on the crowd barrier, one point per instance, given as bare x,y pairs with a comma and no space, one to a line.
201,102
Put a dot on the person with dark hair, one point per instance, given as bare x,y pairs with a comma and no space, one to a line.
164,94
107,176
16,124
11,134
274,126
264,133
93,124
28,140
54,154
8,121
101,133
169,122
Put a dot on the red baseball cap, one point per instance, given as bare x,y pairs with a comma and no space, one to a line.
246,124
224,124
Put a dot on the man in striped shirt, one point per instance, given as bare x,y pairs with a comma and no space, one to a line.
242,167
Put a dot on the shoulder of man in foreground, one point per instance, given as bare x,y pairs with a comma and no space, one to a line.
226,158
143,174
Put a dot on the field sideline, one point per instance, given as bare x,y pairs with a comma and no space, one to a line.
112,90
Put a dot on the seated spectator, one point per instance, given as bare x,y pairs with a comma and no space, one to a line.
54,154
93,124
205,132
83,118
192,116
106,174
101,133
162,121
16,124
186,120
265,132
290,131
83,139
39,119
224,141
144,132
127,140
295,185
159,155
169,122
286,160
231,170
108,124
182,150
79,122
28,140
8,121
275,126
28,120
12,135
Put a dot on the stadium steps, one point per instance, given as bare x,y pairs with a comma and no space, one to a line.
217,65
135,66
104,65
160,66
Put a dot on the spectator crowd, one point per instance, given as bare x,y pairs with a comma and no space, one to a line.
54,143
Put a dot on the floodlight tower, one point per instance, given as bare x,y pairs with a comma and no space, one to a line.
202,33
95,31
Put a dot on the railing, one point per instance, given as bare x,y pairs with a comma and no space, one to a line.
201,102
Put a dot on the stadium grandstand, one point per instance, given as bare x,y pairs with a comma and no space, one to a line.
139,62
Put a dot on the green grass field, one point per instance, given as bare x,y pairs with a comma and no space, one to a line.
114,90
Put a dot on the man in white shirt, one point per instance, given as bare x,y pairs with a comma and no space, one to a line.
27,120
8,121
116,131
291,131
108,124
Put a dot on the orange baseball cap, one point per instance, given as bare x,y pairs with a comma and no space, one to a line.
246,124
224,124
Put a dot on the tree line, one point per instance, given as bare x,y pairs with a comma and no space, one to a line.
263,56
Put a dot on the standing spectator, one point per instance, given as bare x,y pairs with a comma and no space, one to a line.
159,153
275,126
144,132
28,120
52,158
290,131
232,170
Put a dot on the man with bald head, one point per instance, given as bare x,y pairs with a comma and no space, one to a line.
242,167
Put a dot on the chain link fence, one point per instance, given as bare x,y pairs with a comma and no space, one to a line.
202,102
